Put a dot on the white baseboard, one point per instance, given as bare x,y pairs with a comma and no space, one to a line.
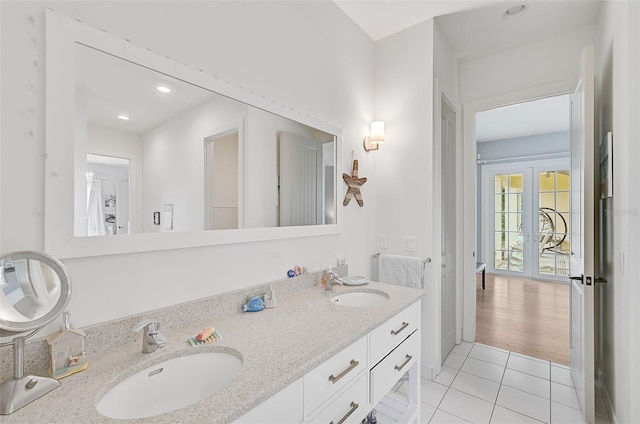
430,373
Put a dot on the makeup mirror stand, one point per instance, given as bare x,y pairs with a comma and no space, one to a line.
34,290
22,389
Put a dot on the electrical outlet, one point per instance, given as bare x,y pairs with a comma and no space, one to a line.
384,241
409,244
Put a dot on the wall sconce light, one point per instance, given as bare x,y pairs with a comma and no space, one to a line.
373,141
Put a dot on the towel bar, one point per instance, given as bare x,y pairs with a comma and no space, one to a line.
424,263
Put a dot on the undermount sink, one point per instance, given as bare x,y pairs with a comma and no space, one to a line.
359,299
170,385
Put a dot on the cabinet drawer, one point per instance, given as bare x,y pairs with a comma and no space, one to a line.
348,407
334,374
386,337
395,365
285,407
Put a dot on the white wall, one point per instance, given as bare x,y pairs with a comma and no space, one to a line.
618,93
303,55
173,162
403,173
547,62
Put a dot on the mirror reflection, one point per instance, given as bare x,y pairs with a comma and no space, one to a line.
155,154
30,289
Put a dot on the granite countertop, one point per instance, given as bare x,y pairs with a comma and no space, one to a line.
277,347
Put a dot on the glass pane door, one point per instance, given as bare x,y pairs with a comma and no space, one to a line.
553,223
508,211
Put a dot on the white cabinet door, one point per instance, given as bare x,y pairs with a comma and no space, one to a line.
285,407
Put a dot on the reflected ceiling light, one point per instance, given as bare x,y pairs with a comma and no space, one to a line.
376,136
515,11
163,89
123,117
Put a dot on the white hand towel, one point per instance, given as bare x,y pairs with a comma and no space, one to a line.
400,270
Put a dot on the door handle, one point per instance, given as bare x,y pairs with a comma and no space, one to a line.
577,277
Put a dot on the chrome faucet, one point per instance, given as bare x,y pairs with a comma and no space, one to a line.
152,338
331,278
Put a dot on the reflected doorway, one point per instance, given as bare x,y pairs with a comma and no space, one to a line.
222,181
108,206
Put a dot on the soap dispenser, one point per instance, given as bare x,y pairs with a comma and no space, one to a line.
66,350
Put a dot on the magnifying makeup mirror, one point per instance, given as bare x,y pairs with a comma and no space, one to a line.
34,289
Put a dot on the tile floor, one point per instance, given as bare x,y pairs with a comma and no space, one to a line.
484,384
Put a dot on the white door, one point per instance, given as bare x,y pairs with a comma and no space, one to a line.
448,216
582,258
526,214
301,180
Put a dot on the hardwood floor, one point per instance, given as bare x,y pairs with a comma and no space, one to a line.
525,316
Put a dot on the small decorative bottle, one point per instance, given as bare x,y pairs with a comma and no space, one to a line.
66,350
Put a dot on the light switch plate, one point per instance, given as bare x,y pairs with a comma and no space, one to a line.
384,241
409,244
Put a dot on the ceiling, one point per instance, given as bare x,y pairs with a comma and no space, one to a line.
551,114
112,86
477,28
473,25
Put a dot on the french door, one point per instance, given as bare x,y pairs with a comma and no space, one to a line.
526,208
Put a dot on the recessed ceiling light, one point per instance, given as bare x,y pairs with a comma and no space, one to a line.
123,117
515,11
163,89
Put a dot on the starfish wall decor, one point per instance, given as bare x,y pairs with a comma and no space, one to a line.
354,184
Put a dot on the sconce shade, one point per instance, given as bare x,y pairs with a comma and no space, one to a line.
376,136
377,131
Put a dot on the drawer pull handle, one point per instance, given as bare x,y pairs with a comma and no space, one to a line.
352,365
354,406
396,332
408,358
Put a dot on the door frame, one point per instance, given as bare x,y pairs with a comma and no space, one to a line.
469,183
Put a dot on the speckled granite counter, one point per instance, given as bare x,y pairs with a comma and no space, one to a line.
277,346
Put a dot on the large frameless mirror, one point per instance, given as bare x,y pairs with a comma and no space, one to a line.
149,147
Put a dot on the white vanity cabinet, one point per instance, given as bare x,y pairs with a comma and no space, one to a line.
346,387
285,407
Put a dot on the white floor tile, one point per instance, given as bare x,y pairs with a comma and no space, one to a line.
488,354
527,383
466,406
506,416
446,376
454,360
426,412
565,395
432,392
529,365
463,348
442,417
483,369
476,386
561,375
562,414
525,403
